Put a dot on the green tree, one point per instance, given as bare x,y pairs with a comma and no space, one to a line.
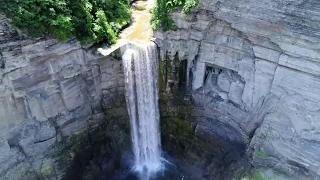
87,20
82,20
160,13
103,29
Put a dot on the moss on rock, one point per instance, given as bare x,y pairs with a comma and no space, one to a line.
177,131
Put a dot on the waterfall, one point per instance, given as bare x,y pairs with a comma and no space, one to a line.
141,74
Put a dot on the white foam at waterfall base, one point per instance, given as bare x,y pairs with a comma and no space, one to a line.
141,73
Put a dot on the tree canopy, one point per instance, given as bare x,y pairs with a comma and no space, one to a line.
160,13
87,20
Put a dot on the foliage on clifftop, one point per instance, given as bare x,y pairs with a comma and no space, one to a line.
87,20
160,13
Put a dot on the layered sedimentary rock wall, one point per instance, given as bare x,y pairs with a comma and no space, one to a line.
255,65
50,92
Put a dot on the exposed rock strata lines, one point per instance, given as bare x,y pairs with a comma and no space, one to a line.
279,56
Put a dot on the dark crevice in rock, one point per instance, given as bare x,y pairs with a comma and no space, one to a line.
2,62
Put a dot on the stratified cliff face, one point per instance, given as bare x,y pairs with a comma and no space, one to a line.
255,65
53,97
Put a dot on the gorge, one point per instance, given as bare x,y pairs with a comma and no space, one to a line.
234,87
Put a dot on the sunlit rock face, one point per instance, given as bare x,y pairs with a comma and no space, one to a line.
255,66
53,97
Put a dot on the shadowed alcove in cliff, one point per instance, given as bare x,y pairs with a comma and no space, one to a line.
201,146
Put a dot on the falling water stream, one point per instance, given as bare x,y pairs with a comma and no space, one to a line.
140,66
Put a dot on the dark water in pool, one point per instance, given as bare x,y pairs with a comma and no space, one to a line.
169,171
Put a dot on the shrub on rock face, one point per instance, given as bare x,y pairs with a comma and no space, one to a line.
87,20
160,13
